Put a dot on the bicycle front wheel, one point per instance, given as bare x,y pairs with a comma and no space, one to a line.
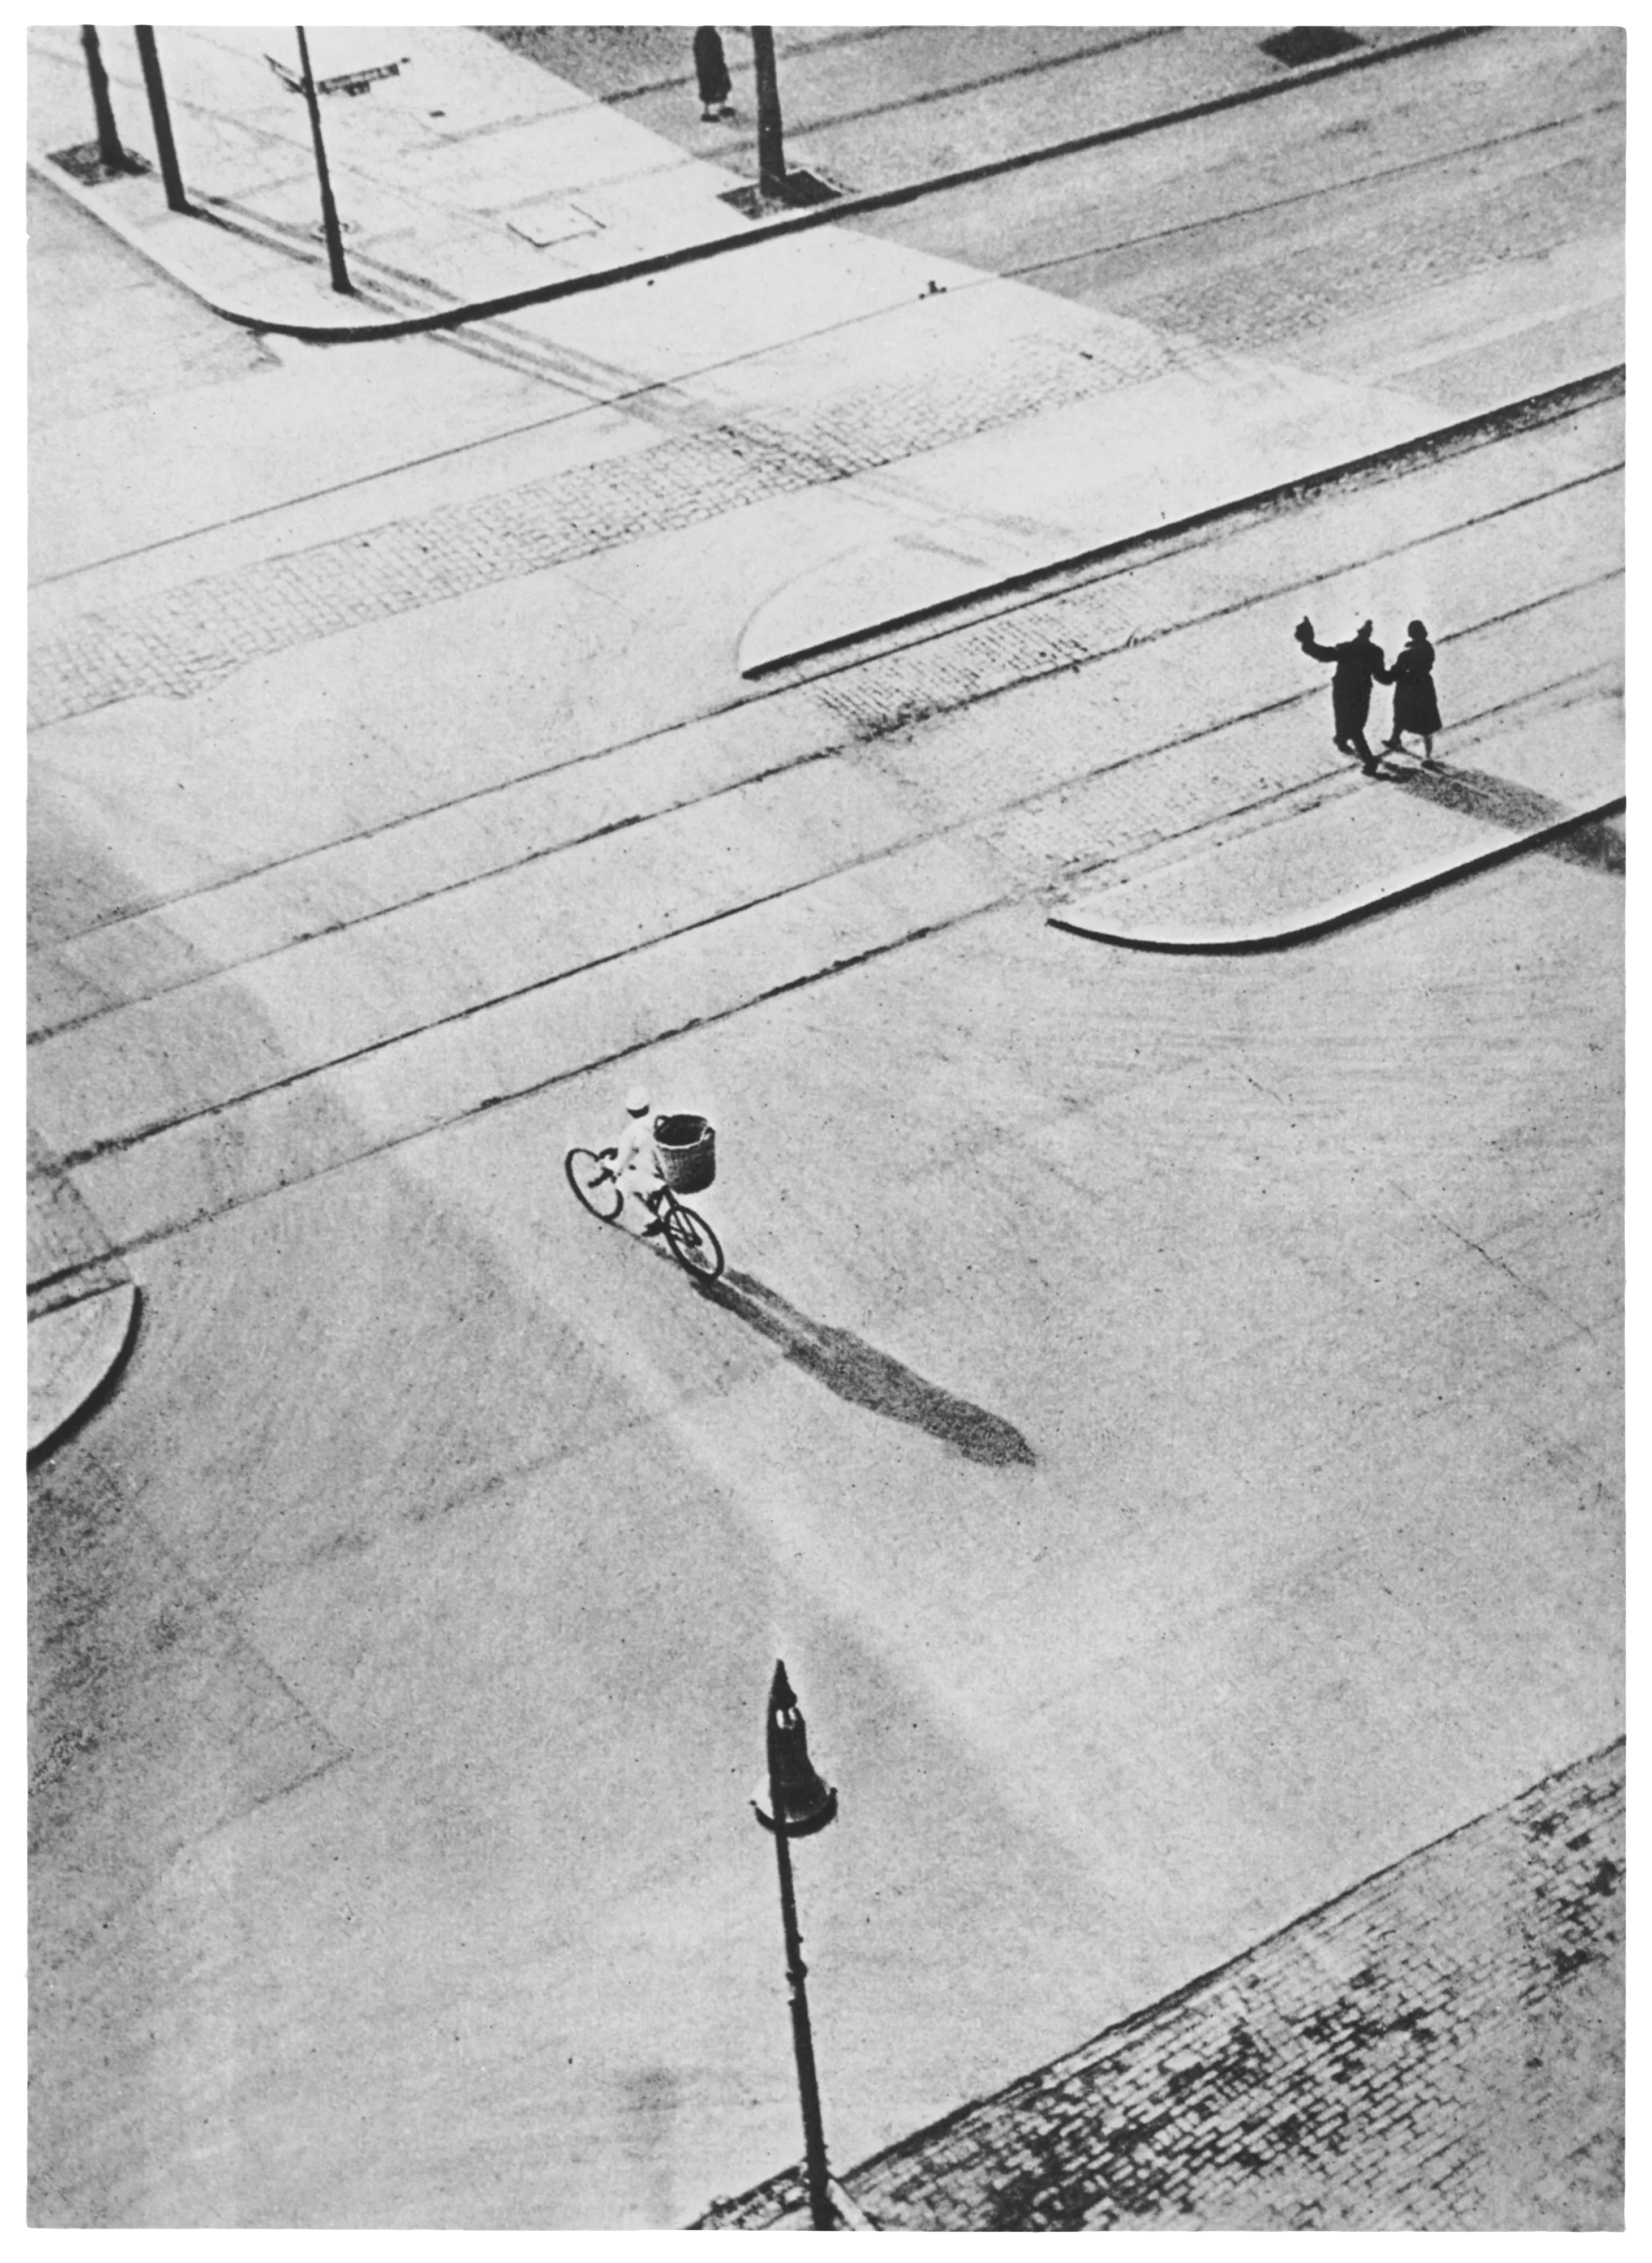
587,1175
693,1244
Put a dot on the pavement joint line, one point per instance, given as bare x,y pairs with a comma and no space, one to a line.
123,1142
522,352
836,746
768,232
1543,407
1323,922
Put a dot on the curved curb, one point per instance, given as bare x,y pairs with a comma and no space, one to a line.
1340,911
511,302
1517,415
81,1347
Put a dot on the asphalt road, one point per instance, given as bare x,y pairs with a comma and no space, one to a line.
1164,1413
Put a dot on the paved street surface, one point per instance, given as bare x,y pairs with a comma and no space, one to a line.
882,106
1165,1410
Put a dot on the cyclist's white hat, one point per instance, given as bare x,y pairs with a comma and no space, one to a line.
637,1100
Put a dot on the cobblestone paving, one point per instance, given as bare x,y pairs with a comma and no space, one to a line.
192,1161
1559,540
1090,750
1261,303
1439,2050
191,637
865,702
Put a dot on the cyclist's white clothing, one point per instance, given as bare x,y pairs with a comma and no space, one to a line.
635,1166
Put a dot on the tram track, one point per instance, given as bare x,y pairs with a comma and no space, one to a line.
507,344
1059,592
1048,795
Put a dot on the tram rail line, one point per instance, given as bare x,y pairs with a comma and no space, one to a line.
1023,595
1048,792
850,733
498,341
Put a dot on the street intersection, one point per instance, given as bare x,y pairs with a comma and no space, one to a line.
1164,1409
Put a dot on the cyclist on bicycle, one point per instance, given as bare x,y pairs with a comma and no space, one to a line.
636,1166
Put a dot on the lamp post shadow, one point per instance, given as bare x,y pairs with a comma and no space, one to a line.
856,1370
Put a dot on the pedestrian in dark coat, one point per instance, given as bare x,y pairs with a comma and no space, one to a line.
1356,662
711,69
1415,709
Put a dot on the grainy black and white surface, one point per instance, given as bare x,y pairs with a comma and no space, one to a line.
1438,2050
1164,1405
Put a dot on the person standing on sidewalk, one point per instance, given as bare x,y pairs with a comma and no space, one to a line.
1415,709
1358,663
711,69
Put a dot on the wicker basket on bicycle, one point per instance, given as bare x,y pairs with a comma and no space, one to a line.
687,1149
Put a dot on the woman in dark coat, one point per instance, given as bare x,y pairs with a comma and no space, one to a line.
1415,708
711,69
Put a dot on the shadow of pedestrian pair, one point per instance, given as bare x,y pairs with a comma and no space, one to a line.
854,1370
1598,842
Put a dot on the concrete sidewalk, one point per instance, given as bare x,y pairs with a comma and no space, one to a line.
465,173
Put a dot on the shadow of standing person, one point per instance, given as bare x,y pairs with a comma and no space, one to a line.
1599,844
855,1370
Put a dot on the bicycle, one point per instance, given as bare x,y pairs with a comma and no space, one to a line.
689,1239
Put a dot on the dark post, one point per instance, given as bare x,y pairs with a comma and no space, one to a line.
770,149
109,149
820,2207
144,33
329,211
798,1804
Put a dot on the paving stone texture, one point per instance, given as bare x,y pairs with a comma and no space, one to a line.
1439,2050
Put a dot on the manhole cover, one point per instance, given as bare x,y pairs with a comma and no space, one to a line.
1309,43
549,222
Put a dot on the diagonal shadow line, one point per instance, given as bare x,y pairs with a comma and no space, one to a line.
1597,842
857,1371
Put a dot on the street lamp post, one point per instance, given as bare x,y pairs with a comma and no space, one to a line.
771,147
794,1804
155,87
329,210
111,154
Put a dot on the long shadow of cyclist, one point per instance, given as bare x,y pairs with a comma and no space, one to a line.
867,1378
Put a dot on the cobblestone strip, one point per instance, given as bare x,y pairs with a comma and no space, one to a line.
189,638
889,692
1260,302
870,699
1439,2050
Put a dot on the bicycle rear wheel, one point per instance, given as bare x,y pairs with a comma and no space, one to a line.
602,1196
693,1244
